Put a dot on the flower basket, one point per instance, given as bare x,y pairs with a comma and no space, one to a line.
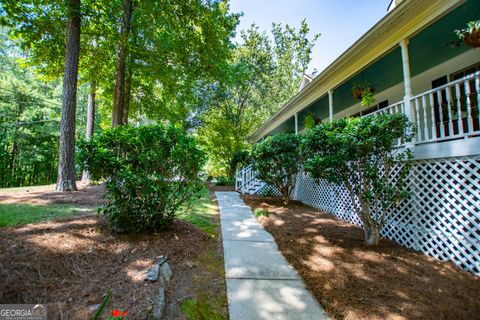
471,34
358,92
472,38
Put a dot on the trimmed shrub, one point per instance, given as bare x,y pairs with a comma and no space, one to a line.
277,161
150,171
360,154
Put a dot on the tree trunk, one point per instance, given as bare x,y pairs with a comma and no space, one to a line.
66,161
128,89
119,91
90,121
372,235
286,196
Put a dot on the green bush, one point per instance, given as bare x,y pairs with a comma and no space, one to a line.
224,181
360,154
277,161
150,172
261,213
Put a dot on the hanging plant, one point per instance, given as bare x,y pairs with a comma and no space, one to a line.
364,91
311,120
471,34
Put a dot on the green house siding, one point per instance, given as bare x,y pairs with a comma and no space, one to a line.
383,74
286,127
319,108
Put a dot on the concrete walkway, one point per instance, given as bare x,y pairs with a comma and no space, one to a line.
260,283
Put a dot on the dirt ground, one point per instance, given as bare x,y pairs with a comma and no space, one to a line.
86,195
213,187
355,282
70,264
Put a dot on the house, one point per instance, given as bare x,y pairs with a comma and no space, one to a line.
417,66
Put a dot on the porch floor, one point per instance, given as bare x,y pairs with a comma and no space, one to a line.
260,282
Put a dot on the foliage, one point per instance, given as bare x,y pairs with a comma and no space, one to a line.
360,154
199,212
471,34
200,309
151,171
367,98
224,181
29,113
364,91
260,77
277,161
261,213
175,47
311,120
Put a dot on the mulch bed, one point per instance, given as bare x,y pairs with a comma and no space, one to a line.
355,282
70,264
86,195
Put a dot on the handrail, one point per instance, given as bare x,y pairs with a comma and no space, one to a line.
245,178
449,84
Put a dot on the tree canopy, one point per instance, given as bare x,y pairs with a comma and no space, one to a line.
175,63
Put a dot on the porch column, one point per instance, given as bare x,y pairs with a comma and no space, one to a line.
407,85
330,104
296,123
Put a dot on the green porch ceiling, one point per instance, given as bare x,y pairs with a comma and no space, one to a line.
286,127
432,47
319,108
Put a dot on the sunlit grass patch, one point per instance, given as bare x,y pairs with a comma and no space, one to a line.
18,214
200,213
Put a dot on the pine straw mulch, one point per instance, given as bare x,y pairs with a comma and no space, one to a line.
355,282
69,264
86,195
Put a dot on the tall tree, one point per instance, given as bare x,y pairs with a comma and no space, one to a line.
119,91
262,75
90,121
66,163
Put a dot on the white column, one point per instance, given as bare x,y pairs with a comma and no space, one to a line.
296,123
407,84
330,104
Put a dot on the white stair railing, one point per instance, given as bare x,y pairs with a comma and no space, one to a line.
246,181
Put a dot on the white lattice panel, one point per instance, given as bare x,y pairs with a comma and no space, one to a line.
269,191
441,218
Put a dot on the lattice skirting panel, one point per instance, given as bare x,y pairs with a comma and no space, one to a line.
441,218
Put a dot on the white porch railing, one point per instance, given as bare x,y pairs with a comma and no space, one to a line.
444,113
448,112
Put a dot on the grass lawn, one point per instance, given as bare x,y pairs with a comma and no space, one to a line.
200,213
17,214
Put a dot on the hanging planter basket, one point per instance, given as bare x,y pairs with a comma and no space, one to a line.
472,39
358,92
471,34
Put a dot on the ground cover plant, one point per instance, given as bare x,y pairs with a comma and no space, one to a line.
150,172
352,281
276,160
360,154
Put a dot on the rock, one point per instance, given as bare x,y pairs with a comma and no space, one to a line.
157,312
94,307
161,260
152,273
166,271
